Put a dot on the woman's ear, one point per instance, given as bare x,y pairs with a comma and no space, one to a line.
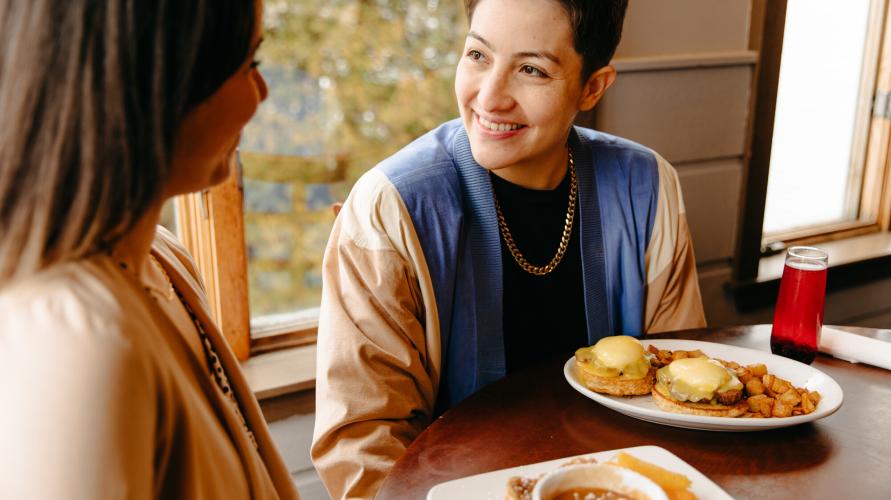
596,86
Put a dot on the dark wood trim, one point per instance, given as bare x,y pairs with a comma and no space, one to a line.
768,21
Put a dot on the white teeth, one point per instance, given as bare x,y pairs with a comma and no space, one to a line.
498,127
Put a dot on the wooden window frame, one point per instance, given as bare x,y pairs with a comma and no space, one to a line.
766,37
211,226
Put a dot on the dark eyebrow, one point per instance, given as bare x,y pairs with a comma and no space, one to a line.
541,55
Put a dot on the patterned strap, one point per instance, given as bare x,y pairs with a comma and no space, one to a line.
216,368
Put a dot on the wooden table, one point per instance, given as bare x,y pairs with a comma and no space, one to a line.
535,415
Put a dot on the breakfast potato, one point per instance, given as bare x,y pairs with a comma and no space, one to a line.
790,398
755,403
806,404
754,387
758,370
766,406
781,409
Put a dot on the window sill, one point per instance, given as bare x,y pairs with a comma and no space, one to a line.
285,371
852,261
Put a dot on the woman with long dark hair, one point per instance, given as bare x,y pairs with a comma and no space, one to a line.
115,381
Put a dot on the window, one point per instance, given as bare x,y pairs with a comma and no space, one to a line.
350,82
819,158
822,111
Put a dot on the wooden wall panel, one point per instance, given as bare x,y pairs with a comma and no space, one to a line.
684,114
657,27
711,195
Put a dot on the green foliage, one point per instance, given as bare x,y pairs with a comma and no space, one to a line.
385,68
351,82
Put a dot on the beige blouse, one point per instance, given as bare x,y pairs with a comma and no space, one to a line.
106,396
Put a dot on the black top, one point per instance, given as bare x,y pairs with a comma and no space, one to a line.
543,315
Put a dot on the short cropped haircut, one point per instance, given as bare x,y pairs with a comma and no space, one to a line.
596,29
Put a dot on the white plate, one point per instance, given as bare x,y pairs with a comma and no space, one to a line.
493,485
799,374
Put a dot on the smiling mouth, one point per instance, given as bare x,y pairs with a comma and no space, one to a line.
498,127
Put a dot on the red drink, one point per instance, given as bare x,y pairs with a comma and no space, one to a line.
798,317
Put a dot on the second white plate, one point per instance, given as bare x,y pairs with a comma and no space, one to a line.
492,485
800,374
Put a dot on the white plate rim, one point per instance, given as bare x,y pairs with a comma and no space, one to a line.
703,487
831,393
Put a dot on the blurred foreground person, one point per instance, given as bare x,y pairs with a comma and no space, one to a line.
115,382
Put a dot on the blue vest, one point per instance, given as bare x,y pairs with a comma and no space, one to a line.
449,197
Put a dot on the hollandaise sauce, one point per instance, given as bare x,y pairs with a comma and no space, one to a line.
695,379
618,356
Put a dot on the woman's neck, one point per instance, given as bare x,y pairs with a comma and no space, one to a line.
133,249
544,172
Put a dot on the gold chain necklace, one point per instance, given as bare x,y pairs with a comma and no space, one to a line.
564,239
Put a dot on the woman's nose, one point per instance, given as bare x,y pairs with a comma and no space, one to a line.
262,88
495,92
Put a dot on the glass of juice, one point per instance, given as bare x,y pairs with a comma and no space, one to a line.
798,317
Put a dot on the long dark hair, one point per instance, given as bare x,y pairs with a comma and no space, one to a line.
91,96
596,29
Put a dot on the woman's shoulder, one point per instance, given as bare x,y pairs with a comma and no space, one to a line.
429,156
71,303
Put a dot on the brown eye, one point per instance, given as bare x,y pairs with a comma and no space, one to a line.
532,71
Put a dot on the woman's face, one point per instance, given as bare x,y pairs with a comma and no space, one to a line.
519,88
209,133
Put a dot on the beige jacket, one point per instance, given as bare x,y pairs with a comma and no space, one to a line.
379,358
104,398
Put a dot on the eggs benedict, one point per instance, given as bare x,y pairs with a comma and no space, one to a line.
699,386
616,365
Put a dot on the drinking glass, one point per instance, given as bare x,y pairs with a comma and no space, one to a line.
798,317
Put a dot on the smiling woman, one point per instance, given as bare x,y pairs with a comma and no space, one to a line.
494,241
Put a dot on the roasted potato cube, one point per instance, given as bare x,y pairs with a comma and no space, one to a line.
790,398
781,409
780,386
755,402
807,405
680,354
766,406
695,354
758,370
814,396
754,387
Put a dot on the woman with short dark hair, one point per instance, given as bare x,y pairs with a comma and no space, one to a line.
495,241
114,379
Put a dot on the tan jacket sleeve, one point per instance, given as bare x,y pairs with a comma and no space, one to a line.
378,345
673,301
